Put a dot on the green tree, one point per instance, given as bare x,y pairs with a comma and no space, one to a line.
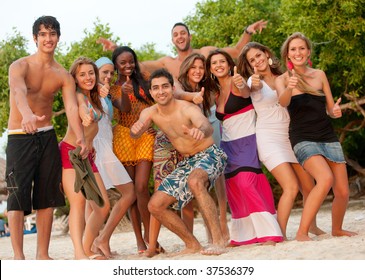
12,48
221,23
336,29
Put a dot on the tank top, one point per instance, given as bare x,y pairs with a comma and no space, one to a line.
233,104
309,120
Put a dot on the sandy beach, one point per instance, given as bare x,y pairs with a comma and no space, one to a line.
324,247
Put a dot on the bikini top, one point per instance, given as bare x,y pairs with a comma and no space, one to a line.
96,113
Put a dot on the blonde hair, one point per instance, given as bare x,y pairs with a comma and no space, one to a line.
302,84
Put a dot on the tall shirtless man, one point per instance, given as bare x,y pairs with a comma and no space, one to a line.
33,166
181,38
191,134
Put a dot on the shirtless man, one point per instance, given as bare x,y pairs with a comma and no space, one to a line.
32,153
181,38
191,134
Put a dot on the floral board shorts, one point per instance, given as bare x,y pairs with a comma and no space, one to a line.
212,160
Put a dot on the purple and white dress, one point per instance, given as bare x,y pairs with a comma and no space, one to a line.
248,191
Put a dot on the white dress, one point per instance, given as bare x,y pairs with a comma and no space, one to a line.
272,128
110,168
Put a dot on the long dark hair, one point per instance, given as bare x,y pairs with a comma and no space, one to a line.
94,93
136,77
212,81
184,79
244,67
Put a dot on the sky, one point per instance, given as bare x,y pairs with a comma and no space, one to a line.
133,21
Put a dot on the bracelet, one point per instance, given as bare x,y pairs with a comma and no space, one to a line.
248,32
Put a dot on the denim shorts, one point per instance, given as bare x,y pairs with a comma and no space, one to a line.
332,151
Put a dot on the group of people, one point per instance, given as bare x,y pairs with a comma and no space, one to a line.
198,120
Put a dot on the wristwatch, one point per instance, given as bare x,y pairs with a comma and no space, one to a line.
248,32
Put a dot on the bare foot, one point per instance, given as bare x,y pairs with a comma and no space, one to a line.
302,237
192,250
316,230
101,247
44,258
213,250
97,257
342,232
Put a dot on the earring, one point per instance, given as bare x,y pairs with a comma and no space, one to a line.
290,65
212,76
309,62
270,61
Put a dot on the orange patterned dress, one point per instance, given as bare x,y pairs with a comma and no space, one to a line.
128,150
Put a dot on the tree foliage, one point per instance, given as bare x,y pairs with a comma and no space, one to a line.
336,28
11,49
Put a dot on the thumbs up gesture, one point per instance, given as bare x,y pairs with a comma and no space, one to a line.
255,79
140,126
336,110
127,86
194,132
199,97
104,88
293,80
88,117
238,80
29,122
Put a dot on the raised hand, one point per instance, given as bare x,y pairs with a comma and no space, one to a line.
127,86
257,26
199,97
29,123
336,110
238,80
194,132
108,45
255,79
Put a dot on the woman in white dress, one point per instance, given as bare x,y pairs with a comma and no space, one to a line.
257,64
110,168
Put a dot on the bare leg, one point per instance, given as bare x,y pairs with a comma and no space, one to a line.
143,170
158,206
288,181
341,198
306,185
318,168
134,215
155,227
220,189
16,225
44,228
187,215
102,242
96,218
76,216
198,183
